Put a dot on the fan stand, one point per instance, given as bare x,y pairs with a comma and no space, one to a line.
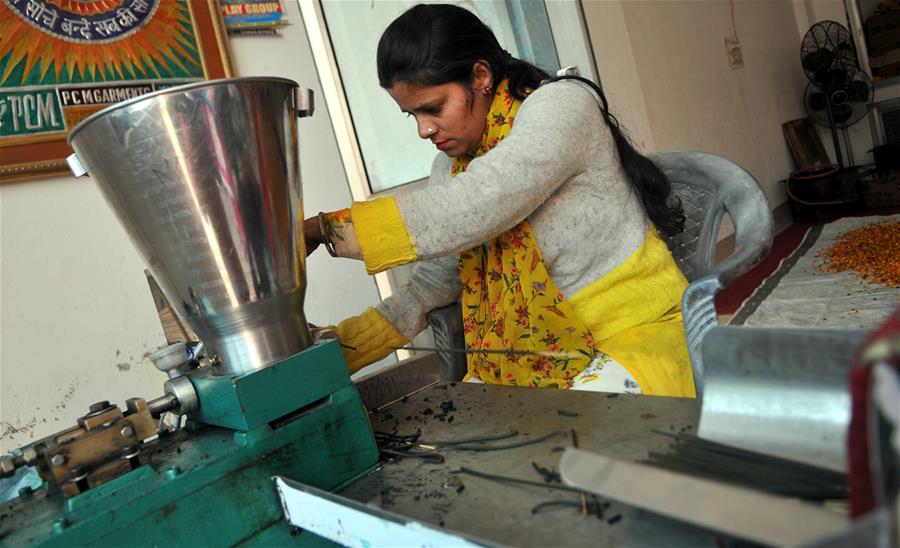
834,137
850,159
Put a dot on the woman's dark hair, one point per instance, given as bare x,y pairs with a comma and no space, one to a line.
435,44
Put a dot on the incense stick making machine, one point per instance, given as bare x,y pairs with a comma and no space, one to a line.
205,179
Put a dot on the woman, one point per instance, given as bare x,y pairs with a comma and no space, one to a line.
539,216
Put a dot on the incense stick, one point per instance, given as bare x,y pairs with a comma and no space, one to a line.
566,355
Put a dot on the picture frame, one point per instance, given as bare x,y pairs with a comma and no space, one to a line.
60,62
806,146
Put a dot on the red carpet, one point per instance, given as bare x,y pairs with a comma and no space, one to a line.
729,299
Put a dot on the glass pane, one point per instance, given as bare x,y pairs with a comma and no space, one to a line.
393,153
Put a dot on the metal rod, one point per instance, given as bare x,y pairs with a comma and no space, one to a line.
162,404
548,354
834,136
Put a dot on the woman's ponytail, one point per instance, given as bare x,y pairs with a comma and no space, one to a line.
663,207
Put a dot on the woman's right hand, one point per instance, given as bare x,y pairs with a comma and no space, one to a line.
312,234
334,231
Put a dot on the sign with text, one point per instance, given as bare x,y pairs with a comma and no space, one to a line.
252,14
61,61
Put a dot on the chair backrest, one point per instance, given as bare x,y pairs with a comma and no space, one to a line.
710,186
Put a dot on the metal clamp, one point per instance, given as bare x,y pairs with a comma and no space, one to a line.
305,103
76,166
182,390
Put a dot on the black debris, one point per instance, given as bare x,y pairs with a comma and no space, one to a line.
615,519
450,419
548,475
610,396
428,411
564,413
461,488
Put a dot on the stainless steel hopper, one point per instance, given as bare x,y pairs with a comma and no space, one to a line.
205,178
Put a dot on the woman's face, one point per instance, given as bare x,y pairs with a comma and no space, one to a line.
451,116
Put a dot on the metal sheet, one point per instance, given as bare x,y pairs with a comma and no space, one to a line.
781,391
402,379
350,523
735,511
502,513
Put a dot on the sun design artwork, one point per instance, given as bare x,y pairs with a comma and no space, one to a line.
81,41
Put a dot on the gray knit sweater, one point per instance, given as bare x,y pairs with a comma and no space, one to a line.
559,169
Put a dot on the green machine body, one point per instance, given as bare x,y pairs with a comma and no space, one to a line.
210,483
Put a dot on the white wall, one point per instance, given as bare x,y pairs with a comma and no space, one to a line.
76,317
617,68
692,98
664,66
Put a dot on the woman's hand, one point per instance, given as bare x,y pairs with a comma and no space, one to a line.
312,234
333,230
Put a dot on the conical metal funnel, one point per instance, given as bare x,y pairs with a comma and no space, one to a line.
205,178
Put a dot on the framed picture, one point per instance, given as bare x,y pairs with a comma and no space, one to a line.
63,60
806,146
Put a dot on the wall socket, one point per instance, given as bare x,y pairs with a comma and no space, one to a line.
733,50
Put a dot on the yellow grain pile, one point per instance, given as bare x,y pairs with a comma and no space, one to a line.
872,251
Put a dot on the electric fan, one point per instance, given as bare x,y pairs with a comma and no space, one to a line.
839,94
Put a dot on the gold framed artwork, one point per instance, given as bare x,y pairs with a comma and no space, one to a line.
63,60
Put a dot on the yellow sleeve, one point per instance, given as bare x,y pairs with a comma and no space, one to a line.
367,338
382,235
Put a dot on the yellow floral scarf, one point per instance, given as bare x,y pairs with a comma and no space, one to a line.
509,302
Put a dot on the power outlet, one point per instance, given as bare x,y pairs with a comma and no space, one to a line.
733,50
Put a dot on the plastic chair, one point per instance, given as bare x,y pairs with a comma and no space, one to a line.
709,186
